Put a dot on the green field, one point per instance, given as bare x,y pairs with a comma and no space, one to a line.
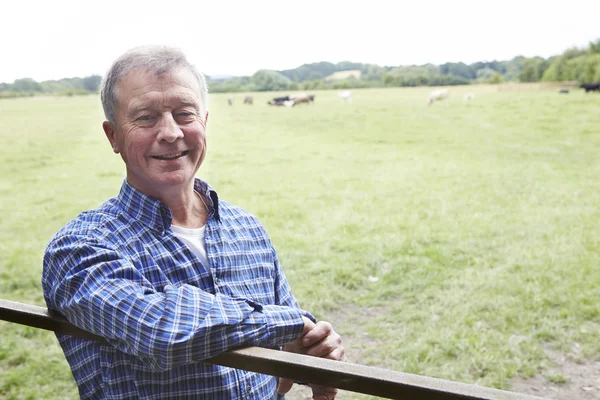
458,241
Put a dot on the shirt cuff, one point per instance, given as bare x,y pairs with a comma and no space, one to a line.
284,324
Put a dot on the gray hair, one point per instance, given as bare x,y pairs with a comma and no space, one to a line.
152,58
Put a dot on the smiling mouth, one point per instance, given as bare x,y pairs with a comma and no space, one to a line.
172,156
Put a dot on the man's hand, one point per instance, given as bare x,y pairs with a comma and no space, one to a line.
318,340
322,341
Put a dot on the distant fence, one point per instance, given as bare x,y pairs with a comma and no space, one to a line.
533,86
347,376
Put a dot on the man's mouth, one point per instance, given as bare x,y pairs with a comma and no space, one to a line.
171,156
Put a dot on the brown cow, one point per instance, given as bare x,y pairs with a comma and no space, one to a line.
302,98
248,100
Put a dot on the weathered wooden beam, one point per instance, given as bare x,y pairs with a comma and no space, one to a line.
353,377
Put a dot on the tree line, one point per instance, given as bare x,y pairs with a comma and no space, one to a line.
66,86
574,64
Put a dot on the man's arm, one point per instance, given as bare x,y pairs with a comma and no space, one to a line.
100,291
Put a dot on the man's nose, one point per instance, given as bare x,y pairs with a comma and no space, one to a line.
168,130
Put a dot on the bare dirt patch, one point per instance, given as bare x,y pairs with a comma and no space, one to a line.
567,379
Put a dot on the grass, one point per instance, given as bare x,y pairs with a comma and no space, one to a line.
478,218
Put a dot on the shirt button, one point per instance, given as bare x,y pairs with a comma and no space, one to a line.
216,280
248,389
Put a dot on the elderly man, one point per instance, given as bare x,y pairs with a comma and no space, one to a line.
167,272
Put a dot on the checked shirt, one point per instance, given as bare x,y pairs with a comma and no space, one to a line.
119,272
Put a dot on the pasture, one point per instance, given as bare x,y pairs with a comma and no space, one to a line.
459,240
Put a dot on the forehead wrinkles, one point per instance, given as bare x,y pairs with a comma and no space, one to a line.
161,99
147,89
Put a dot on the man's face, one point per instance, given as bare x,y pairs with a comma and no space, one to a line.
160,130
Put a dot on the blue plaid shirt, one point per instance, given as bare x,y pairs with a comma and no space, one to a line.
119,272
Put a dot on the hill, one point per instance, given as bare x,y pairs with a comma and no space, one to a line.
341,75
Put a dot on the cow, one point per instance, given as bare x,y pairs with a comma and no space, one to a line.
290,101
564,91
302,98
248,100
346,96
230,101
279,101
437,95
591,87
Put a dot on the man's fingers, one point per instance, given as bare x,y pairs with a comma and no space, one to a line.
326,352
321,330
323,348
337,354
284,385
327,345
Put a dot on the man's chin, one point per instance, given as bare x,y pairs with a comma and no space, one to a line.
162,183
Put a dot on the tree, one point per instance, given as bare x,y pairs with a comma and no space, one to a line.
513,67
556,70
498,66
496,78
457,69
572,53
26,85
372,72
310,71
266,80
92,82
589,71
533,69
485,74
594,47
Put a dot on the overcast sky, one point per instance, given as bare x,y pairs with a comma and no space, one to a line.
53,39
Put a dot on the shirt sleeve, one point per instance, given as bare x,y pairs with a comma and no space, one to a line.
99,290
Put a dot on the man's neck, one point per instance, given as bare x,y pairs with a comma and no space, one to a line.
189,210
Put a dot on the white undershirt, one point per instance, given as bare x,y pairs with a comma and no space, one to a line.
194,240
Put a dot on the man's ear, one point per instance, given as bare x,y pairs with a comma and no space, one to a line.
111,135
206,119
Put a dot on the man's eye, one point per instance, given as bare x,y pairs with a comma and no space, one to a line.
145,118
185,114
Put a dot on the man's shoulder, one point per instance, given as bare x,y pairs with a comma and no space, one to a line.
236,217
92,222
231,210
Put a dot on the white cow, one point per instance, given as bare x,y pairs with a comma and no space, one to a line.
438,95
345,95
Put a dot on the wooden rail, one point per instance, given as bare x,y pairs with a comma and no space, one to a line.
353,377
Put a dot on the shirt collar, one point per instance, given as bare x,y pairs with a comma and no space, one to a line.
154,213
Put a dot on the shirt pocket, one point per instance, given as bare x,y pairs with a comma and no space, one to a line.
260,283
